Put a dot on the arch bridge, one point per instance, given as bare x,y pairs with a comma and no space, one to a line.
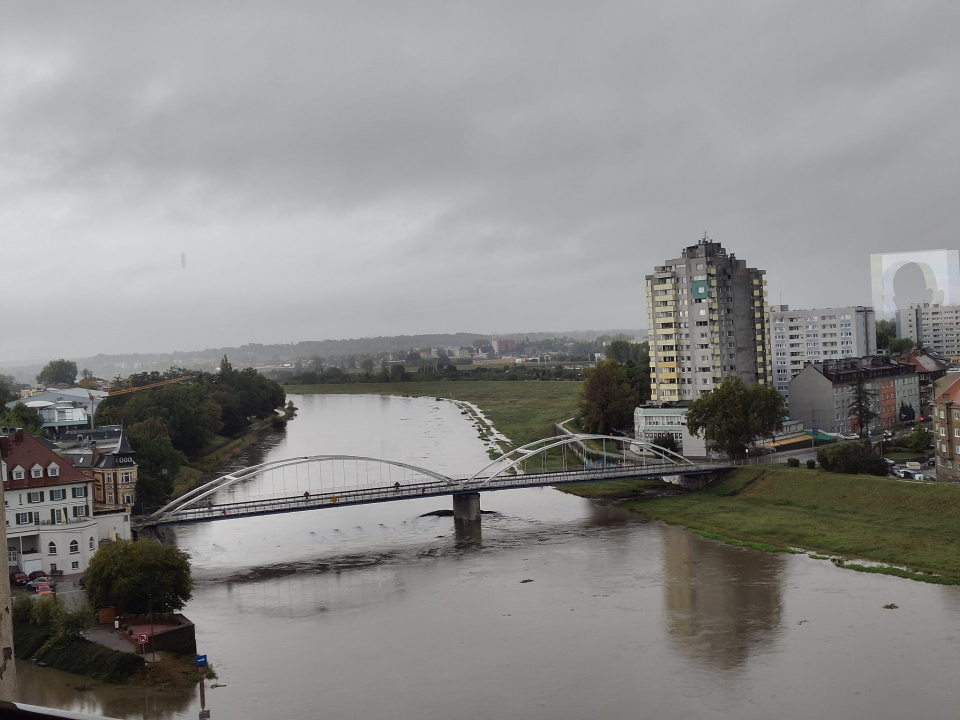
327,481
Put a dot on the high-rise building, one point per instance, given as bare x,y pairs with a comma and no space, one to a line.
799,337
935,327
708,320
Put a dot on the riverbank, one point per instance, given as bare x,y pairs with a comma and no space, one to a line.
848,517
102,664
522,411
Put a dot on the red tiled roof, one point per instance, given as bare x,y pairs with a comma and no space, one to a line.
26,451
951,394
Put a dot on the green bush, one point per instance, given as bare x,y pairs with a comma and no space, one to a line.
793,462
811,464
22,609
851,459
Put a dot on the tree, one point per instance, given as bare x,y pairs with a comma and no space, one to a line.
158,462
667,441
920,439
861,404
733,415
886,329
22,417
607,400
906,412
58,371
8,389
852,459
898,346
139,576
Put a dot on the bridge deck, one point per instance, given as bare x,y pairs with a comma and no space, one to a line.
210,512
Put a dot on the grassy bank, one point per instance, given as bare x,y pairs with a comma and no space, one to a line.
523,411
850,516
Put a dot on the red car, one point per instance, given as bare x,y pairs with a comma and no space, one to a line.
38,573
18,578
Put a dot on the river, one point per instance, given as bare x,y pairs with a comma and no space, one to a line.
557,608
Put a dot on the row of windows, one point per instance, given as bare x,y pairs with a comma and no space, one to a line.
74,547
37,496
53,470
57,515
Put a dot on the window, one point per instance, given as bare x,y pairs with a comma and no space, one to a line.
75,565
53,470
36,471
35,497
80,511
56,516
24,518
18,473
126,477
128,499
52,548
79,492
57,494
74,547
91,542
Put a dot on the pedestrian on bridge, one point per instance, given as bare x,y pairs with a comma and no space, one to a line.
396,486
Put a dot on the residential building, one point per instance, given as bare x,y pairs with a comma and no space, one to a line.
798,337
63,409
650,422
946,432
935,327
929,370
48,513
105,456
708,319
821,396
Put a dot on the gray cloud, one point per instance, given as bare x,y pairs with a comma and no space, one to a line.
343,169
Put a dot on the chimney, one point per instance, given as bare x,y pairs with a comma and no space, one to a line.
18,437
4,446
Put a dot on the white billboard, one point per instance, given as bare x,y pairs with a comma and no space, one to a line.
920,276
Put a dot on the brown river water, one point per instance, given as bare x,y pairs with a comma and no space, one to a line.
554,608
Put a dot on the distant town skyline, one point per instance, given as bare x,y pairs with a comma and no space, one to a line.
179,176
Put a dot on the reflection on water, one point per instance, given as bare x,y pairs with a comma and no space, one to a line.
721,602
51,688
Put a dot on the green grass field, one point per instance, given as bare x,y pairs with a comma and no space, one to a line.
851,516
523,411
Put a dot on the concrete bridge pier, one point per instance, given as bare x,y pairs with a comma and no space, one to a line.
466,506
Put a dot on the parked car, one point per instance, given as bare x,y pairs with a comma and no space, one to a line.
888,435
18,578
45,589
38,573
83,582
38,581
923,478
851,436
889,462
932,462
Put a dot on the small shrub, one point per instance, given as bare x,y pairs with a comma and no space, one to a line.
811,464
793,462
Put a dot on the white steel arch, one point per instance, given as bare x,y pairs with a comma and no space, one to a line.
531,450
196,495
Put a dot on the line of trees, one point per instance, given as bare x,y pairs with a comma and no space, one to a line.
170,423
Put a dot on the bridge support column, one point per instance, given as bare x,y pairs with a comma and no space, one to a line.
466,506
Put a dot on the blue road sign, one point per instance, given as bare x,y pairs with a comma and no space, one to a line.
201,660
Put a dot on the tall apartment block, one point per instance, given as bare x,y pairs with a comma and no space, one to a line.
799,337
935,327
708,320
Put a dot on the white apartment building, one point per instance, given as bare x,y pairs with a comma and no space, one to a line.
48,506
708,320
935,327
798,337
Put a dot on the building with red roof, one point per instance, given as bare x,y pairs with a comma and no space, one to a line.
48,508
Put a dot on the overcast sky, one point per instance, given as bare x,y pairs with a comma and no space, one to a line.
346,169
